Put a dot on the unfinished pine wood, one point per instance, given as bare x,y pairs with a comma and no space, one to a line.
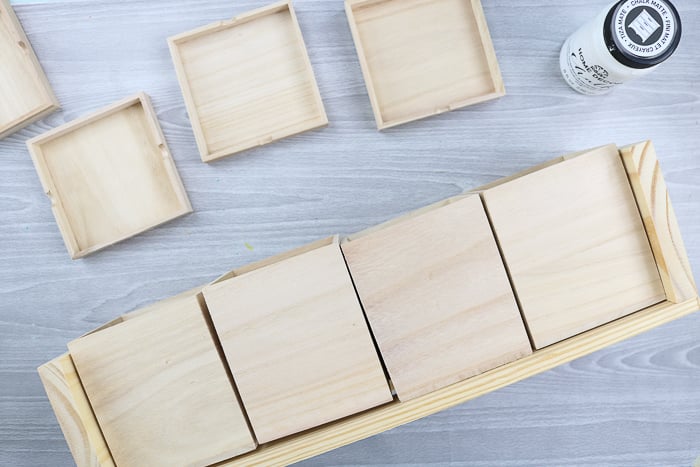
160,391
423,57
74,414
335,434
575,245
25,93
109,176
297,343
437,297
654,203
247,81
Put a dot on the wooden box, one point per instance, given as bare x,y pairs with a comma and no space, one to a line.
649,190
575,245
109,176
297,343
159,390
25,94
247,81
437,297
423,57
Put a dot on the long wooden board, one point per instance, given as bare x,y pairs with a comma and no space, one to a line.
659,218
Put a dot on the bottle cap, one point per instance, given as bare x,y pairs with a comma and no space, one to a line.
642,33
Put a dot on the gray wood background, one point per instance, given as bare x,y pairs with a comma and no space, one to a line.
635,404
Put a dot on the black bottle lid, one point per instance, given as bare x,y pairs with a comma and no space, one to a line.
642,33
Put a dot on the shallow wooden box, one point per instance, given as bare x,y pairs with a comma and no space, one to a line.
109,176
85,440
25,93
247,81
423,57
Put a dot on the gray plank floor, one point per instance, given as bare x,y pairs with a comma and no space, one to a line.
635,404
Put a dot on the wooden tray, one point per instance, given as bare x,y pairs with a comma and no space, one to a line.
423,57
89,449
109,176
25,94
247,81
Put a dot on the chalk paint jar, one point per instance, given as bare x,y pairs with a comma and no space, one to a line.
627,40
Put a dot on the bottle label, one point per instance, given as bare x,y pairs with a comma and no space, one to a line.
581,74
645,28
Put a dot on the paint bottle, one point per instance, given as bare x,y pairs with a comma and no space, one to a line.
627,40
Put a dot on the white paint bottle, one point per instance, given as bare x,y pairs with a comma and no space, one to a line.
627,40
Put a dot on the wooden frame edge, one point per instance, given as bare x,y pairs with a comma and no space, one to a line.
323,116
489,49
166,154
364,67
660,220
74,413
34,117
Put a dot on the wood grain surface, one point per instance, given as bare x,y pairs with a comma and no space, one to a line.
635,404
580,258
297,343
437,296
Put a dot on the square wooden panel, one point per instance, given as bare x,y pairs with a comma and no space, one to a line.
437,296
159,390
109,176
297,343
247,81
574,243
25,94
423,57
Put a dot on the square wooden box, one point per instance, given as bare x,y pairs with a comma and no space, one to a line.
160,391
575,245
87,444
437,297
423,57
25,93
297,342
109,176
247,81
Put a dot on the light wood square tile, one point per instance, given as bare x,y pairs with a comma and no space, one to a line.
575,245
437,296
297,343
160,391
